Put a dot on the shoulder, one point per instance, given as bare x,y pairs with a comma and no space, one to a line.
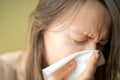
15,60
12,58
6,71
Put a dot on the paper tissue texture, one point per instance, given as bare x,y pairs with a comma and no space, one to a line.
81,58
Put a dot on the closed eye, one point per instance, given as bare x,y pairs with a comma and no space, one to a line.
80,42
103,42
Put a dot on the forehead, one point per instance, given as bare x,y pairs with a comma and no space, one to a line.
93,18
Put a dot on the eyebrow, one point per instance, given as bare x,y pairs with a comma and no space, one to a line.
88,36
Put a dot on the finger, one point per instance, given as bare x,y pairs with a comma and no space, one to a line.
91,68
64,71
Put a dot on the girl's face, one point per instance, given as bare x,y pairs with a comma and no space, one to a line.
88,30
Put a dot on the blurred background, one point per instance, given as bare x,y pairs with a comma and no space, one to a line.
14,23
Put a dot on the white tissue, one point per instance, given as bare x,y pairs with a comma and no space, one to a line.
81,58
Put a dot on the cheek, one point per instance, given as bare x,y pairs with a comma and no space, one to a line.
58,46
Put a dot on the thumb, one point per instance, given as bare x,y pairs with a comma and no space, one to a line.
91,68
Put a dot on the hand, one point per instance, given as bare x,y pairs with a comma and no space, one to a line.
68,68
90,69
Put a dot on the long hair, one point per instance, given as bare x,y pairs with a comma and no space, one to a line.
46,12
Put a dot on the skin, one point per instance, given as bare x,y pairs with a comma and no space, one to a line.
86,32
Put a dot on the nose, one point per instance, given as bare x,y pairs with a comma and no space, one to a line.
91,46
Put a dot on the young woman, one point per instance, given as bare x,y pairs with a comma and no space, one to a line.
62,27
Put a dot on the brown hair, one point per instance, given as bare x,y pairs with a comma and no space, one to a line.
46,12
